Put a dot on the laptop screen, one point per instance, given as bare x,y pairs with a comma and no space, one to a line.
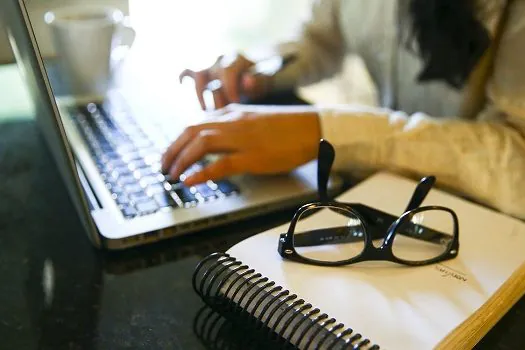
31,66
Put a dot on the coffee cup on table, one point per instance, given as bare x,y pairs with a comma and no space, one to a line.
89,42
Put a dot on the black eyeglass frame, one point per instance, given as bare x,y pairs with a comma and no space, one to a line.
371,218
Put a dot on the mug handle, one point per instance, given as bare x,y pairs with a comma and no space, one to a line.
126,35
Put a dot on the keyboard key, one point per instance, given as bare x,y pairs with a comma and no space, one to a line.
199,198
126,148
91,108
105,168
126,180
150,180
163,200
122,200
176,183
120,171
137,164
147,207
101,164
205,191
156,167
146,152
139,197
116,163
129,212
110,183
185,195
193,169
133,188
212,185
104,147
226,187
112,155
152,158
114,188
117,138
132,156
139,173
156,188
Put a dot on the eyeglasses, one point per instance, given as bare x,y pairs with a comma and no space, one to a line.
346,233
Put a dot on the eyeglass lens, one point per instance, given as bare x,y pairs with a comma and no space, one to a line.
334,235
424,236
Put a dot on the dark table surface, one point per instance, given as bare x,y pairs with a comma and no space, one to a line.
58,292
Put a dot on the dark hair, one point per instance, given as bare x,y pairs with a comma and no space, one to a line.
450,39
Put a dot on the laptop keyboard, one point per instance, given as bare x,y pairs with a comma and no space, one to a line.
130,166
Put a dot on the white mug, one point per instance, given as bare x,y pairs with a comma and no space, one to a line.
86,40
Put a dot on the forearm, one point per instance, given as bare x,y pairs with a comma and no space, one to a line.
482,160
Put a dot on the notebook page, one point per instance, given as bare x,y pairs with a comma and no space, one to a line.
400,307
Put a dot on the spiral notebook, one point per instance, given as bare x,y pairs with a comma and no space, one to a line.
450,305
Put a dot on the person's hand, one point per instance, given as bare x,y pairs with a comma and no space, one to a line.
250,139
229,79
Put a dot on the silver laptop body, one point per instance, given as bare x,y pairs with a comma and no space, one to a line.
67,125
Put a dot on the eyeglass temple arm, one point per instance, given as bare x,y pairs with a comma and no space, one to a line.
423,187
343,234
325,160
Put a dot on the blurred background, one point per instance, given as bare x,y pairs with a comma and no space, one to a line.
209,26
173,35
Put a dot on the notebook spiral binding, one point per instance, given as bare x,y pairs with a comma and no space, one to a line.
251,300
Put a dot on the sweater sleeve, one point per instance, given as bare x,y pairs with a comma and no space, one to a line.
483,160
319,48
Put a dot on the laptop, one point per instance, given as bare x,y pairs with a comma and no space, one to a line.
110,163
